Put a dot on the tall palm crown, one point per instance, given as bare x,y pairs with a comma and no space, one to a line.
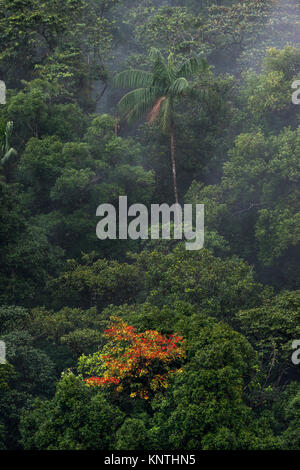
156,92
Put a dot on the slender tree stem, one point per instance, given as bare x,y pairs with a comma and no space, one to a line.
173,163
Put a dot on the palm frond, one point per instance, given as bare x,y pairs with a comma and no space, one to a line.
178,87
9,127
8,156
160,70
156,56
145,96
8,132
6,149
136,112
133,79
192,66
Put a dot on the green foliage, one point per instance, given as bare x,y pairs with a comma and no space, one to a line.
171,28
269,92
55,39
287,410
271,328
206,409
76,419
77,330
40,110
260,186
97,283
64,150
132,435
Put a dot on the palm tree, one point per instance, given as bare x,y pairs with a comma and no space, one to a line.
7,153
156,92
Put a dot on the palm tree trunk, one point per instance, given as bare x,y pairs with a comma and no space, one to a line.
173,163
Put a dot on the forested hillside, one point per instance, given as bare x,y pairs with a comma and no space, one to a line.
142,344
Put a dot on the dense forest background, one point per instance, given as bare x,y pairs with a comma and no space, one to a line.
123,344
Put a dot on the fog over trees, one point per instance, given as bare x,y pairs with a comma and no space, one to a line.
142,344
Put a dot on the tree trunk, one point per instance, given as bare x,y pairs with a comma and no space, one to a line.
173,163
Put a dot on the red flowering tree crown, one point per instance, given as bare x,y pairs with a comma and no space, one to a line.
137,363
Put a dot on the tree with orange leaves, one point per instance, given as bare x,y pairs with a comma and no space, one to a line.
137,363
